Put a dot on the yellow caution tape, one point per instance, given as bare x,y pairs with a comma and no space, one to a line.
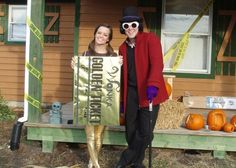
171,51
34,71
181,51
39,35
35,30
181,45
33,101
205,9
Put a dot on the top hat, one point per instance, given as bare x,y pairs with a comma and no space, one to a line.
130,14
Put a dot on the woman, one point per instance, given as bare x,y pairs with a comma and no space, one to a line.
99,46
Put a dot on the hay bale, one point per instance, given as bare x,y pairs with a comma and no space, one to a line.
171,115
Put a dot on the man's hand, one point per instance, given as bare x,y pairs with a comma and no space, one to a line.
151,92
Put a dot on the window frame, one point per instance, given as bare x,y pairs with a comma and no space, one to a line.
9,23
207,72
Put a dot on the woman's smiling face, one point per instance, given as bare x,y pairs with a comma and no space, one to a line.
102,35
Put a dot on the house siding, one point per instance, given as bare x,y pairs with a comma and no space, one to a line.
220,86
57,73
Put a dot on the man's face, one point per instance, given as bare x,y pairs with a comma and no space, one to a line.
131,29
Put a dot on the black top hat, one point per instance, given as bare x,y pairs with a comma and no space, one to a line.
130,14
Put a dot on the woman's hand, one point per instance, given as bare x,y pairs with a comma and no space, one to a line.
73,62
121,60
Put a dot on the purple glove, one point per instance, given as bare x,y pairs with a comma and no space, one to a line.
151,92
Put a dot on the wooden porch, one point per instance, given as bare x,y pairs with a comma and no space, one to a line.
217,141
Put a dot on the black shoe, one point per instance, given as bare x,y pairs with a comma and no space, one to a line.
137,166
121,163
69,121
120,166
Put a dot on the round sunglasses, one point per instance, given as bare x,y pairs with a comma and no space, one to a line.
126,25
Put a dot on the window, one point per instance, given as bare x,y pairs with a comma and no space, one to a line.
178,16
17,23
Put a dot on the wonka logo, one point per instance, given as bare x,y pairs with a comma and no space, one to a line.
113,85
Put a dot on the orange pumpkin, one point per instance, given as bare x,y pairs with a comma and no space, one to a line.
194,121
233,121
216,119
168,88
228,127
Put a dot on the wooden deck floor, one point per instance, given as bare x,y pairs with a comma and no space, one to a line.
67,114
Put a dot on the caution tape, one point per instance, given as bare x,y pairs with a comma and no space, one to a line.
171,51
36,73
179,47
205,9
39,35
36,31
181,51
33,101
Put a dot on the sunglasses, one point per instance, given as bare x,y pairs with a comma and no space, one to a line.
126,25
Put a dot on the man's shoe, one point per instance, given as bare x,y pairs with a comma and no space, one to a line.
120,166
137,166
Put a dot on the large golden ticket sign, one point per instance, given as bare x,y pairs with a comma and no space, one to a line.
96,90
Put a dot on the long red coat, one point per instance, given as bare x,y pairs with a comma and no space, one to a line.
149,68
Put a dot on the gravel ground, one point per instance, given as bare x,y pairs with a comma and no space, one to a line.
69,155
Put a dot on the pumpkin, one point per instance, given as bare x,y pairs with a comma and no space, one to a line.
168,88
228,127
233,121
194,121
216,119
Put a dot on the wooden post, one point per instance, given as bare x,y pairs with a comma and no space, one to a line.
76,28
34,47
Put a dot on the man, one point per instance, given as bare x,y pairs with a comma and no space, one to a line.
143,83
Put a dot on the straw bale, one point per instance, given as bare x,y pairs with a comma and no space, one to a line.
171,115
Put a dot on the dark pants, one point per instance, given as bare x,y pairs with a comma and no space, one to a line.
138,133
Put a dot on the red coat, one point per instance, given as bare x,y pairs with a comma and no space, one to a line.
149,67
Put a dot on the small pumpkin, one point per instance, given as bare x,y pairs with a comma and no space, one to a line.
168,88
216,119
228,127
233,121
194,121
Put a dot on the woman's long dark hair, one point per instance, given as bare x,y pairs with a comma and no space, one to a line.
91,46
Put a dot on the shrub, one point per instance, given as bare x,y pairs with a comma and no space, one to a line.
6,113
